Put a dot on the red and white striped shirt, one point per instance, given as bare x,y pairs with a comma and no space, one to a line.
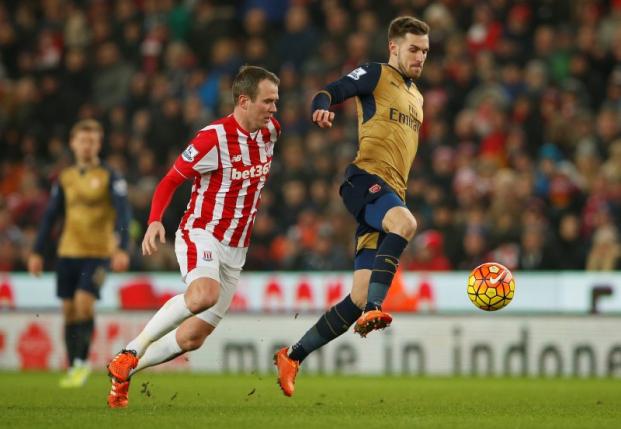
229,167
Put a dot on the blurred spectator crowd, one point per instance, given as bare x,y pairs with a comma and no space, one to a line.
520,154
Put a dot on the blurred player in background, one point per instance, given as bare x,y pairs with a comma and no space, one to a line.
93,200
229,162
390,113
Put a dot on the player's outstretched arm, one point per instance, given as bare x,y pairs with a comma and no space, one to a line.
359,82
203,148
154,232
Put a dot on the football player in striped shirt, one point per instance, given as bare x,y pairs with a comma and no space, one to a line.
228,162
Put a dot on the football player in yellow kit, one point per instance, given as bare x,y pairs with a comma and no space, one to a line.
390,114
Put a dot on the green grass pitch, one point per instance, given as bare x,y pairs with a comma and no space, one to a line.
235,401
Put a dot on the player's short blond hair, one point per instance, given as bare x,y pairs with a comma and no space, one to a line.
403,25
247,81
86,125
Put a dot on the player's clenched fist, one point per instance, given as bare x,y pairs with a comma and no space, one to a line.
323,118
155,230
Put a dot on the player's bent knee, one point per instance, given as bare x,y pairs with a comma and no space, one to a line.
69,312
408,228
84,315
84,312
202,294
200,301
399,220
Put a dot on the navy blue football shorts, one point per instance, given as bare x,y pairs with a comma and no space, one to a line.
368,198
87,274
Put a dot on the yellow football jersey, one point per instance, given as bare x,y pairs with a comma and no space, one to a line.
388,139
390,114
96,212
89,214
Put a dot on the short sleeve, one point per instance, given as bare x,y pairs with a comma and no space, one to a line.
200,156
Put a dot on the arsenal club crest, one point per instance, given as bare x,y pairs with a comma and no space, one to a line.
375,188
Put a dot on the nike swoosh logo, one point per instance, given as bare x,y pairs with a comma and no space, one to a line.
500,276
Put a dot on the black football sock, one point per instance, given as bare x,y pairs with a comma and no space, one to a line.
384,268
71,341
85,335
330,325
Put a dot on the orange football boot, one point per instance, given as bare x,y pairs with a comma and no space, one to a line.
122,364
119,392
287,370
372,321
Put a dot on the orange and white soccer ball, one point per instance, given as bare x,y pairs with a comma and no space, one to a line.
491,286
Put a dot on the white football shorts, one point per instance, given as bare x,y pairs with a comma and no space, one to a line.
200,254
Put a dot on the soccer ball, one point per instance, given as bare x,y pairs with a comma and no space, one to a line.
491,286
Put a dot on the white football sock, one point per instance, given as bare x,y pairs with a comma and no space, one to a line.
166,319
159,351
